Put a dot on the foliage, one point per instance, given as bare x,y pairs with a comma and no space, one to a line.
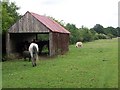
118,31
87,67
9,15
60,22
111,30
0,18
97,32
98,28
74,36
86,34
43,37
102,36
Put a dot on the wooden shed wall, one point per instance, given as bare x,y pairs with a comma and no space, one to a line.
64,43
28,24
59,43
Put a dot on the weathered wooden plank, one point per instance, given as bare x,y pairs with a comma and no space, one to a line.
7,43
28,24
51,48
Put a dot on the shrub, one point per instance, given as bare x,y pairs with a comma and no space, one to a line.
110,36
102,36
96,36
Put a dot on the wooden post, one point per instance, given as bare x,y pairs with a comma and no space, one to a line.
7,43
51,46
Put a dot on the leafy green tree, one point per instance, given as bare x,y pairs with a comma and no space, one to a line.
98,28
102,36
118,31
110,36
87,34
74,36
9,15
61,22
43,37
0,17
111,30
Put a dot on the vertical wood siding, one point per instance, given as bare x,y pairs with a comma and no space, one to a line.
59,43
28,24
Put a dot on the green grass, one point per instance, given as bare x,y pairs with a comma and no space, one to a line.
0,75
93,66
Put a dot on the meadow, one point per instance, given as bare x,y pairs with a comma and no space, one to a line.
95,65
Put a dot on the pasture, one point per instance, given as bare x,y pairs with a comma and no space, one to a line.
95,65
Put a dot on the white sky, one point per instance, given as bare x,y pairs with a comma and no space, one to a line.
78,12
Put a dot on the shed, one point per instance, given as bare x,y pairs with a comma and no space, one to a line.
29,26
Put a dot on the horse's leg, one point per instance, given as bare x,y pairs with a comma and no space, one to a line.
36,56
29,59
32,62
32,58
35,59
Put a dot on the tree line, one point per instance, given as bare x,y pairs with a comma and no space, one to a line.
86,35
10,16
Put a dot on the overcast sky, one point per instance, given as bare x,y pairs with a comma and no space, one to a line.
78,12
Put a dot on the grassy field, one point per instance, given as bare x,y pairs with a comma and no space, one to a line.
93,66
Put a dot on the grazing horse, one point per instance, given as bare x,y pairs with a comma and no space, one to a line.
33,49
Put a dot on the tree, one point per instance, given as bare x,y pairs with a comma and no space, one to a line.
99,28
9,14
111,30
0,17
9,17
86,34
61,22
118,31
74,36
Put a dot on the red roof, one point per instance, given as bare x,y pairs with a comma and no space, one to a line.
49,23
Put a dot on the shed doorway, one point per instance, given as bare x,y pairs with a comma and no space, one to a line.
43,44
19,42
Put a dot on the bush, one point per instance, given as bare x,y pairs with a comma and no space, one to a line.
110,36
87,35
96,36
102,36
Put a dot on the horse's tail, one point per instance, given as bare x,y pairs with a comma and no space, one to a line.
34,50
35,54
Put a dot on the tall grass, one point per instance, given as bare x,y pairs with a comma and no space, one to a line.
95,65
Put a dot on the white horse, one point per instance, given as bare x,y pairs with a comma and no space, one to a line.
33,49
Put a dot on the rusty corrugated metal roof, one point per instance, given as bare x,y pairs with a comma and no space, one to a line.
49,23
